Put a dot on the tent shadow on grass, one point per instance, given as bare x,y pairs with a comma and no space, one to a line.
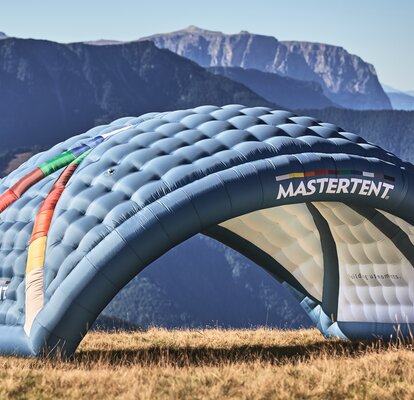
210,356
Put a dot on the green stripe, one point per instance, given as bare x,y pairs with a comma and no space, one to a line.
81,157
57,163
345,172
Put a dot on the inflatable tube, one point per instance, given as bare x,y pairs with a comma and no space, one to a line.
322,210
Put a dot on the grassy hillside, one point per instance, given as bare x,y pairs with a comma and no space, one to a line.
216,364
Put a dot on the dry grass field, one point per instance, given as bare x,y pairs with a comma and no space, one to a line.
215,364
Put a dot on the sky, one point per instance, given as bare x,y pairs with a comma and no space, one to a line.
379,31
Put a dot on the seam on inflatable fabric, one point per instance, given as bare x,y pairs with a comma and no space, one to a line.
213,173
97,270
50,333
271,145
381,224
225,189
193,206
242,156
131,248
261,185
157,219
257,175
75,299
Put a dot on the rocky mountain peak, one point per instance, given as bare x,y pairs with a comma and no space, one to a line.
193,28
345,78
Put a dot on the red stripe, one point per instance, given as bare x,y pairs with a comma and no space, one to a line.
16,191
27,181
6,199
311,173
66,175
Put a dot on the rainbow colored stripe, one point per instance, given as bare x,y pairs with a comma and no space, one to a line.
47,168
44,216
51,166
343,172
37,248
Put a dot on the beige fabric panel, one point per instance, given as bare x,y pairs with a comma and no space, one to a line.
34,296
376,280
289,235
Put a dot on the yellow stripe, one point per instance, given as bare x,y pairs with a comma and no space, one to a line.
297,175
36,254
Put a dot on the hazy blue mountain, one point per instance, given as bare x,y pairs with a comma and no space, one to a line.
345,78
204,283
50,91
103,42
401,101
285,91
389,89
3,35
410,92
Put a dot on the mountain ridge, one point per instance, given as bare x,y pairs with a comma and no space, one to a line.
400,100
288,92
347,79
50,91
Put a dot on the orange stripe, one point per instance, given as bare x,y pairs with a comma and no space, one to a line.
44,217
42,224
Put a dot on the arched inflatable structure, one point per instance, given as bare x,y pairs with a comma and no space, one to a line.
320,209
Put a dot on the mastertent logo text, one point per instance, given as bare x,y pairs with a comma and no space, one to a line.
363,186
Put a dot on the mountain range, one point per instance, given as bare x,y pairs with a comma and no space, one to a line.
346,79
291,93
49,91
400,100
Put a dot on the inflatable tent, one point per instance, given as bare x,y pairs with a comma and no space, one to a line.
322,210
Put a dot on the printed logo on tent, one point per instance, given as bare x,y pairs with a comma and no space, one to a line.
364,186
3,289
